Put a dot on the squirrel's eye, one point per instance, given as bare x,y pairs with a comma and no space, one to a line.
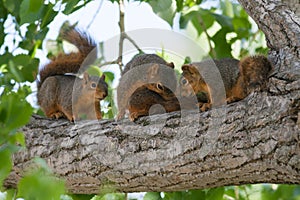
159,86
184,81
93,85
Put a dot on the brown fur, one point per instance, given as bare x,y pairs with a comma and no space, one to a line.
143,99
68,63
60,95
145,72
239,77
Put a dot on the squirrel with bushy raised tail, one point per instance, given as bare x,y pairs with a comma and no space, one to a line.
61,93
236,78
146,80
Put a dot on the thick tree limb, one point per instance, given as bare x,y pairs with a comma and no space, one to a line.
252,141
257,140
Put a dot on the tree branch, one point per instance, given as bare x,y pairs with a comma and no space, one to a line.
252,141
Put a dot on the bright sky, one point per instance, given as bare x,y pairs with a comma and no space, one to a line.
105,25
137,15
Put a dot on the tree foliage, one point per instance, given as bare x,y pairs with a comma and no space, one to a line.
228,32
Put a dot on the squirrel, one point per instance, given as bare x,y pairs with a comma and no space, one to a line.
240,78
61,93
142,103
145,73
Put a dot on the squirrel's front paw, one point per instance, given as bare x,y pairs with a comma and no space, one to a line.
133,116
205,106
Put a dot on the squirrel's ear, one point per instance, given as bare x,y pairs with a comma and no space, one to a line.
153,70
189,68
185,67
86,77
102,77
171,64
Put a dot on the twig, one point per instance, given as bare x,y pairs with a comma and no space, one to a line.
133,42
123,36
95,15
211,49
109,63
122,32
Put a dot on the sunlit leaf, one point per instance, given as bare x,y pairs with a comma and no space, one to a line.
222,47
215,194
164,9
40,185
10,106
47,14
152,196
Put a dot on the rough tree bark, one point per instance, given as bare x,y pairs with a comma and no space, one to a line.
252,141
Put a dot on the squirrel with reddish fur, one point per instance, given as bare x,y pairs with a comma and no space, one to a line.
239,78
61,93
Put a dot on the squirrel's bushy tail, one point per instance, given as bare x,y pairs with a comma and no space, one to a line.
84,43
69,63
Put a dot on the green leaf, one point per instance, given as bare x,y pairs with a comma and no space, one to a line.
10,194
6,163
215,194
26,15
17,138
196,194
2,34
222,47
227,8
164,9
174,195
10,5
23,68
230,191
152,196
109,77
34,5
48,15
30,13
40,185
70,6
179,5
116,1
201,19
10,106
267,193
224,21
285,191
3,11
94,71
83,197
